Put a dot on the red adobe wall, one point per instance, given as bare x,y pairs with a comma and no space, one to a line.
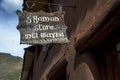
83,17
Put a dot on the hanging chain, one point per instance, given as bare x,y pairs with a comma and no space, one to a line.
49,6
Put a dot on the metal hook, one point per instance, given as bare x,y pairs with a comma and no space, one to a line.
33,4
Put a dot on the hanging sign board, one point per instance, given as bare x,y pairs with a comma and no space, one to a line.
41,27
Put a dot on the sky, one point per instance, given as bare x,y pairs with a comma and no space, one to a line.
9,35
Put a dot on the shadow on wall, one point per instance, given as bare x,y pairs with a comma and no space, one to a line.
83,6
84,72
79,14
86,64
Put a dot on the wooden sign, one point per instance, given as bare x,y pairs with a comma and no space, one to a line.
41,27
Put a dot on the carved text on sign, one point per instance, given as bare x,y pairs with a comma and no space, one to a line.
41,27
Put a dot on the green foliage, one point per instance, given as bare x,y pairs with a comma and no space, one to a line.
10,67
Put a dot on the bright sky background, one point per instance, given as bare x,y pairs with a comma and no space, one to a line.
9,35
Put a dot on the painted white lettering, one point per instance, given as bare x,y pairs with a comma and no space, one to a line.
56,19
31,36
51,35
41,27
29,20
36,19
